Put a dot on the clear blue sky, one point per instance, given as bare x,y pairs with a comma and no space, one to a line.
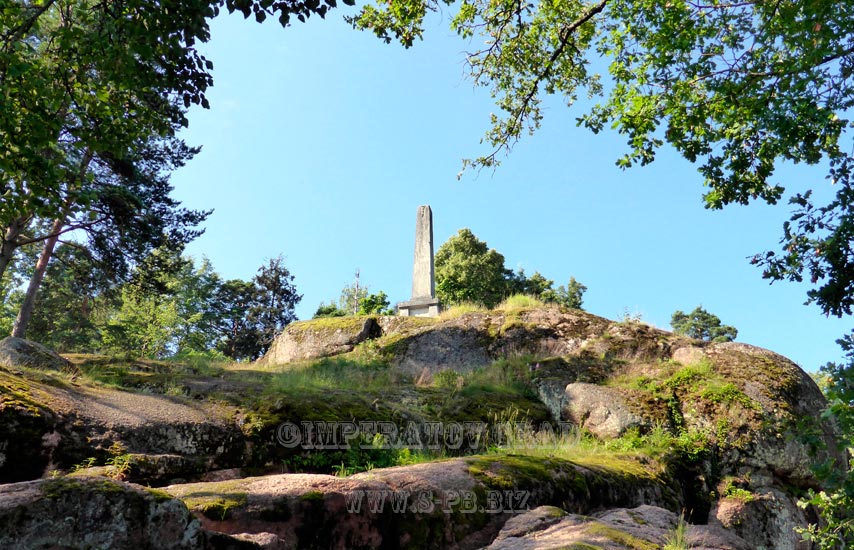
322,141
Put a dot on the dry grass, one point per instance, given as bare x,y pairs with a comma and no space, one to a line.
459,310
520,301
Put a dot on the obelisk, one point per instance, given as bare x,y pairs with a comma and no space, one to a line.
423,302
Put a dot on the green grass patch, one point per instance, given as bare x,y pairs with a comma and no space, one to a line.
329,324
678,538
731,489
520,301
216,501
597,529
689,375
355,372
311,496
728,393
458,310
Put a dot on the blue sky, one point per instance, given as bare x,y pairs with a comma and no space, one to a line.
322,141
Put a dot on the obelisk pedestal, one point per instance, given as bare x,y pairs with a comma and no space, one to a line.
423,302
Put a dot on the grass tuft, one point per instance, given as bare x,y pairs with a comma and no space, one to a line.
520,301
458,310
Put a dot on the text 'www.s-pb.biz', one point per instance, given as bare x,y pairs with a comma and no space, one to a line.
427,502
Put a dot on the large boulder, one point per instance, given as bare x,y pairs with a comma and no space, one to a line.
460,503
320,338
600,410
450,347
766,518
17,352
550,528
46,425
70,512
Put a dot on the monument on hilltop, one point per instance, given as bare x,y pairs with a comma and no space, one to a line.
423,302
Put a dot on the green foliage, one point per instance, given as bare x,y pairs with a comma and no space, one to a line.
688,374
11,292
840,389
375,304
535,285
147,320
364,454
836,502
774,88
678,538
538,286
690,446
727,393
351,373
519,301
571,295
71,303
352,296
702,325
274,301
328,310
467,270
448,379
171,307
731,490
79,79
836,532
92,96
458,310
229,307
144,326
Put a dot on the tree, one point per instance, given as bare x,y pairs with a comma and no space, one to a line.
147,320
835,504
174,307
543,289
130,64
570,296
274,302
351,296
702,325
195,289
84,86
129,215
329,310
238,338
72,302
535,285
467,270
81,83
738,88
375,304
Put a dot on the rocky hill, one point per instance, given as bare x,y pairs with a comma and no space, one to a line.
524,428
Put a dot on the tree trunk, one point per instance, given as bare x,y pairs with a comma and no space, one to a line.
25,314
10,243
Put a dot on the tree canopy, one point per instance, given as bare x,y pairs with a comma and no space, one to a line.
92,94
702,325
467,270
739,88
172,306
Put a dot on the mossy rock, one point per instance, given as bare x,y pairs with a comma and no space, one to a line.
94,513
320,338
577,485
24,421
16,353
